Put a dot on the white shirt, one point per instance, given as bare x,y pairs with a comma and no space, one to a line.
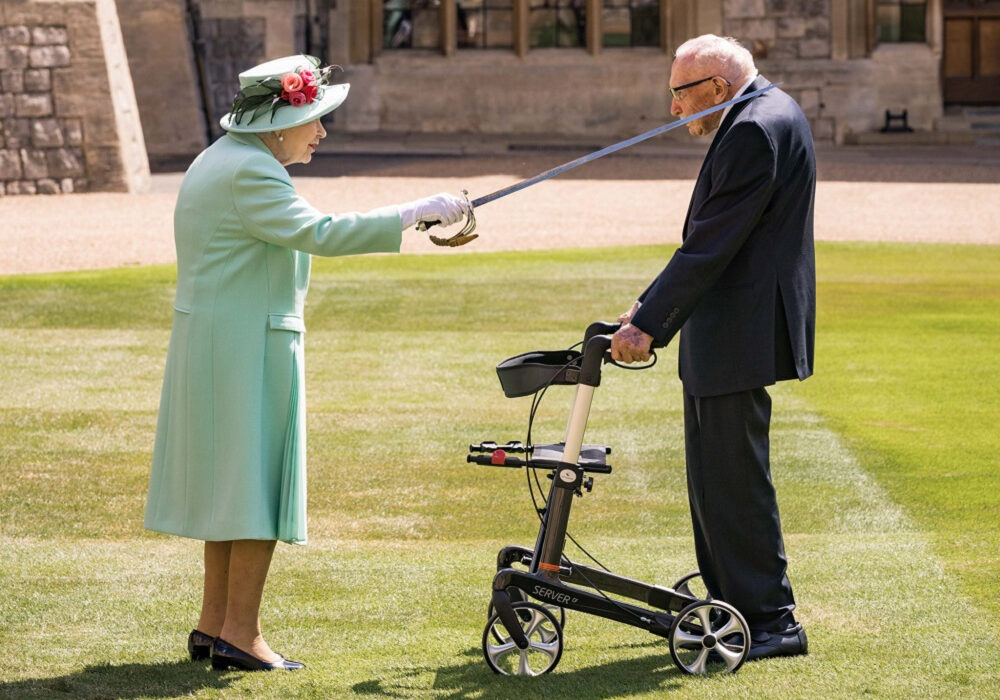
742,90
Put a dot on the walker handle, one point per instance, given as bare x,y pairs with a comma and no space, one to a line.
595,351
600,328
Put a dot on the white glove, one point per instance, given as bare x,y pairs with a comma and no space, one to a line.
442,208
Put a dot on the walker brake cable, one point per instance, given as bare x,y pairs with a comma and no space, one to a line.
535,402
466,233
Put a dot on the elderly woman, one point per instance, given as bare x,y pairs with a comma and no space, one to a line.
229,463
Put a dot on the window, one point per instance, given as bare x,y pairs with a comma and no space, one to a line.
517,25
557,23
410,24
901,20
630,23
485,24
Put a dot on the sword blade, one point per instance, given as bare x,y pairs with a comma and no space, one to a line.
552,172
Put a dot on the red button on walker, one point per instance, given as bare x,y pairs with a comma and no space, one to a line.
499,457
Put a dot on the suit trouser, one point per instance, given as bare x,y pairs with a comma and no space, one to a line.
737,532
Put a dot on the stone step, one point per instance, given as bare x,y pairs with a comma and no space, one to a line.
971,125
973,112
980,124
974,128
911,138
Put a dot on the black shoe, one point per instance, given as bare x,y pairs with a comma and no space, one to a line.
199,645
225,655
764,645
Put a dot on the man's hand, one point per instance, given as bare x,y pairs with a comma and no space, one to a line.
627,316
630,345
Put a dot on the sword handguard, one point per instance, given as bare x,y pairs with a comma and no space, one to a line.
453,241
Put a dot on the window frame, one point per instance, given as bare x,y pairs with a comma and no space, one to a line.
448,22
926,23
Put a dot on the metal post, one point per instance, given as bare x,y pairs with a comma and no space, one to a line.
561,499
577,423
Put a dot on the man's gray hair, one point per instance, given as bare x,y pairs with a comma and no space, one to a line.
734,61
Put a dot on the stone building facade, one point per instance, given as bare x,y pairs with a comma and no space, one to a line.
76,76
68,118
568,67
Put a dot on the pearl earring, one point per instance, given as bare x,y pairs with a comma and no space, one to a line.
281,137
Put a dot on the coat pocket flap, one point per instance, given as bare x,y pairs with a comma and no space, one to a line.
286,322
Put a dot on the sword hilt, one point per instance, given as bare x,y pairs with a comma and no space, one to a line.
464,236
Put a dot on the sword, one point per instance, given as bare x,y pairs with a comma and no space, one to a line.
466,235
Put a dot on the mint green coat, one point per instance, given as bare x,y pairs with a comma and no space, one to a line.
229,460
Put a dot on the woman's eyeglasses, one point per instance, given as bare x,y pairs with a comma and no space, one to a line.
676,91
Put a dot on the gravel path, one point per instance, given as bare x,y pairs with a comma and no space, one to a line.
914,196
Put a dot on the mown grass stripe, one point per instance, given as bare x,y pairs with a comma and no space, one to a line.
389,598
402,617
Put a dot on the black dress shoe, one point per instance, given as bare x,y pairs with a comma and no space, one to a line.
225,655
199,645
764,645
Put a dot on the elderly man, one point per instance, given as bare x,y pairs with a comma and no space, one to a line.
741,288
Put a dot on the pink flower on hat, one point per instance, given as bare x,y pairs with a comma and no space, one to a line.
303,85
291,82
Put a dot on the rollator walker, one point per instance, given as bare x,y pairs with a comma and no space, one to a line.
525,637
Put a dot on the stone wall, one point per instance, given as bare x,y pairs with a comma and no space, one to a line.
68,114
167,88
792,42
780,29
548,92
845,98
232,44
41,153
239,34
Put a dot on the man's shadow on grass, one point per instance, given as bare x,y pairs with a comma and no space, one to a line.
153,680
473,679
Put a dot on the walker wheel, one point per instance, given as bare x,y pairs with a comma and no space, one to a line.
709,637
690,584
516,596
545,644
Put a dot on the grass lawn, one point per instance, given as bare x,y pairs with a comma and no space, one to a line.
884,462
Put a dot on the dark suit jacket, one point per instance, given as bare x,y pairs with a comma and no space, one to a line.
743,282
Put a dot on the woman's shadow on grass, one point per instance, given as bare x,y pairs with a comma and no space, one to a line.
153,680
472,679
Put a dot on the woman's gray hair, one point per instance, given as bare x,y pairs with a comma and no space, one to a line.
734,61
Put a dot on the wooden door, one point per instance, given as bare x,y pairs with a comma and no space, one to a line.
971,65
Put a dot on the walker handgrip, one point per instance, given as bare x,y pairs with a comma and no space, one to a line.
593,355
600,328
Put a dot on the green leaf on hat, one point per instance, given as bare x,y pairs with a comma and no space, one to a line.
256,90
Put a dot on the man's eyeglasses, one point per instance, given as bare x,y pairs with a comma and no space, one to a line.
676,91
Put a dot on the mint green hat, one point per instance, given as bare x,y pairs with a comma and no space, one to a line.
283,93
